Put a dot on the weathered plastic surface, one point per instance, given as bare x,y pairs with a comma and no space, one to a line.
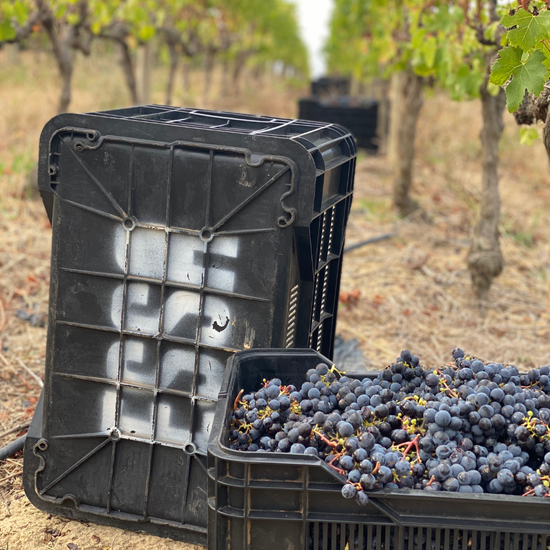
179,237
257,498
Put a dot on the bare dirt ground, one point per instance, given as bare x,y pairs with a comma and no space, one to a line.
413,290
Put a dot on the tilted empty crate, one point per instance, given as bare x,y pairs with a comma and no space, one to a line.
179,237
257,500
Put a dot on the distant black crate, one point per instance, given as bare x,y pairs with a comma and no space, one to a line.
258,500
360,117
330,86
179,237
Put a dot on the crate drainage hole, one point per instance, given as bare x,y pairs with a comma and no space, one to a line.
129,223
206,235
190,449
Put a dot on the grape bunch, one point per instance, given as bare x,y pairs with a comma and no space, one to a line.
468,427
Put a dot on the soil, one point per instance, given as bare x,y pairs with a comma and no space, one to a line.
23,527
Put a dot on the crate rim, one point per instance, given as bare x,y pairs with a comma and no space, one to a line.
62,120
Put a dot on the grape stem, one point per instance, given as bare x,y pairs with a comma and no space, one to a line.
453,393
529,493
237,399
325,440
432,479
376,468
336,456
340,471
443,382
410,445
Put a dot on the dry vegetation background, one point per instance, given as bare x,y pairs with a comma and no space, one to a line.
414,290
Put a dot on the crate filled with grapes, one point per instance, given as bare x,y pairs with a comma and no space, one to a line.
412,456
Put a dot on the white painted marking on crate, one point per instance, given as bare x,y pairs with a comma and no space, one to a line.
181,310
185,259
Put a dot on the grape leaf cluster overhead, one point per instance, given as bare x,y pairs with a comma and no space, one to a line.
524,61
443,40
267,29
446,41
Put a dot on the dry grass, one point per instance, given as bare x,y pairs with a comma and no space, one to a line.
414,290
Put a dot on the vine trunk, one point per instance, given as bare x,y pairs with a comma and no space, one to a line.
485,260
412,100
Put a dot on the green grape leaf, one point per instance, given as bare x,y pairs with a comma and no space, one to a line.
21,12
529,29
96,27
544,48
430,49
73,19
417,38
493,89
491,31
528,72
146,33
528,135
465,83
7,32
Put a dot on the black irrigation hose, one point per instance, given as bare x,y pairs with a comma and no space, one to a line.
369,241
11,448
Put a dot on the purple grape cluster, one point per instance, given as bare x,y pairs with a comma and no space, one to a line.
468,427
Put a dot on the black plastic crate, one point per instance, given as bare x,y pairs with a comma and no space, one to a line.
179,237
259,499
330,86
359,116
